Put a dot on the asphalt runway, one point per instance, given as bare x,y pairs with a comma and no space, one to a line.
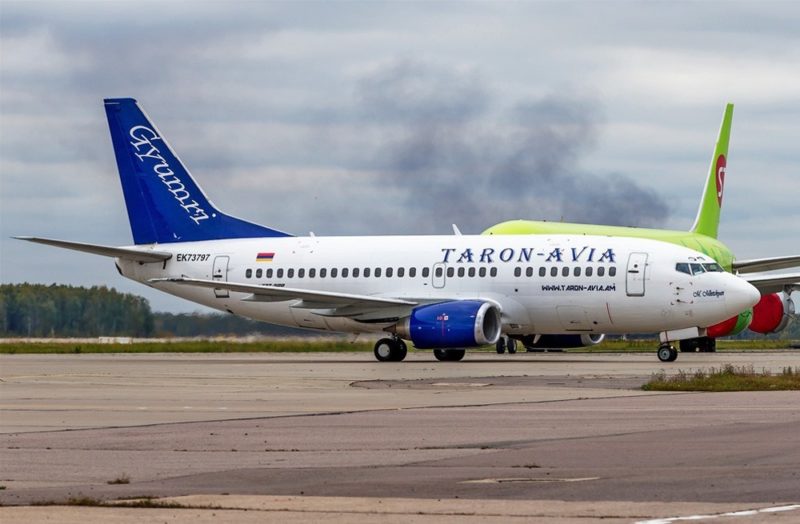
342,438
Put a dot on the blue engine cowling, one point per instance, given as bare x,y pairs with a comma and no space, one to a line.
561,341
455,324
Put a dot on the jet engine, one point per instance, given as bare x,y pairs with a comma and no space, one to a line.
455,324
732,326
562,341
772,313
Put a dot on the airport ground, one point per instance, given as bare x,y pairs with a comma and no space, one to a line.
338,437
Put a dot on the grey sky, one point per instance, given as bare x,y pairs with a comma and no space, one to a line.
379,117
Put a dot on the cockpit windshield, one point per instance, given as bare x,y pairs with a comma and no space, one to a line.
695,268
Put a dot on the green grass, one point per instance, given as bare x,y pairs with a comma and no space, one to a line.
727,378
201,346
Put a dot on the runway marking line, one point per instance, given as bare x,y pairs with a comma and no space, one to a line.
743,513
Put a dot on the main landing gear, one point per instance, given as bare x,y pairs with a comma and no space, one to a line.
448,355
390,350
667,353
504,344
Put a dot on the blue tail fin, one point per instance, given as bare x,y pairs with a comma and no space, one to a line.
164,202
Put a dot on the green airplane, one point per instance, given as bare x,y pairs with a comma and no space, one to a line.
776,308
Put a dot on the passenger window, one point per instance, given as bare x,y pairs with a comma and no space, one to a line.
564,271
355,272
439,272
450,271
697,269
312,273
345,272
589,271
482,272
426,272
366,272
529,272
248,273
377,272
542,271
290,273
280,273
389,272
301,273
259,272
554,271
412,272
517,271
471,272
269,273
601,271
576,272
401,272
612,271
461,271
493,272
323,272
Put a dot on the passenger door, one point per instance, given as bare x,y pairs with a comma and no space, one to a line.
635,276
220,272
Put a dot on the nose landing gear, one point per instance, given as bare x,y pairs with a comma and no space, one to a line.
667,353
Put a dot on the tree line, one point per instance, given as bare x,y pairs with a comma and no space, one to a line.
37,310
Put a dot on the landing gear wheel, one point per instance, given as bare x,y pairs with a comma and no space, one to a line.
511,345
500,346
667,353
390,350
448,355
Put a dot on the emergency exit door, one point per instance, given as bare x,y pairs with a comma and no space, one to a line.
220,272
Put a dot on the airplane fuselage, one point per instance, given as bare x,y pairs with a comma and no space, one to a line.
541,284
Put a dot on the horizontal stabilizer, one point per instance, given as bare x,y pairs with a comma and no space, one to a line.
766,264
137,255
314,299
774,283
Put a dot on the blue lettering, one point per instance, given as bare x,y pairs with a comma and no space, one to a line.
554,254
608,254
576,254
486,255
525,254
447,252
466,256
507,254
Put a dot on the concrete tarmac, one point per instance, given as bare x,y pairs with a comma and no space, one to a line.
340,437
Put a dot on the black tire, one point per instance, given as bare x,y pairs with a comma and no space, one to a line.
665,353
449,355
500,346
511,345
400,351
384,349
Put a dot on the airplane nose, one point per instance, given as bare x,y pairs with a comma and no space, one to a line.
741,295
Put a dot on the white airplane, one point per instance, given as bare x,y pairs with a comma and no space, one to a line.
445,293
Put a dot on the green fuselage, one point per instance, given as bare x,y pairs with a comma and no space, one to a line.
702,243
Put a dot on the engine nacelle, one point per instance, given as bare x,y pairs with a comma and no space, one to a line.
455,324
732,326
562,341
772,313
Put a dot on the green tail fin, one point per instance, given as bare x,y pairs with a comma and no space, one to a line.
707,221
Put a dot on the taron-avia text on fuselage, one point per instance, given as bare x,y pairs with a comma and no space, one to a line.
143,142
522,255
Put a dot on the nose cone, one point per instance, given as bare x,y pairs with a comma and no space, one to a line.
741,295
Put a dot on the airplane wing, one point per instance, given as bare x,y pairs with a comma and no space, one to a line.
765,264
137,255
767,284
310,299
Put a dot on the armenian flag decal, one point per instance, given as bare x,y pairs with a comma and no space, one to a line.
265,257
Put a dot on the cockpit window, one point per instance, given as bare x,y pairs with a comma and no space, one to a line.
683,267
713,268
697,269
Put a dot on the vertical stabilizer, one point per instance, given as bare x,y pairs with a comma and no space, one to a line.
164,202
707,221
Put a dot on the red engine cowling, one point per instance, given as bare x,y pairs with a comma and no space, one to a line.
772,313
732,326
